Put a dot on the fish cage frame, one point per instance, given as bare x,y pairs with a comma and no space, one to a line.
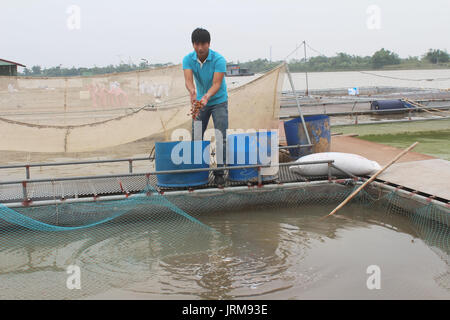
294,181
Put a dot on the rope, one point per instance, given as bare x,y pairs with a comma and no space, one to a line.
320,53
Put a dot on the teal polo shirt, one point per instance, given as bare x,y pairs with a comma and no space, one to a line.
204,73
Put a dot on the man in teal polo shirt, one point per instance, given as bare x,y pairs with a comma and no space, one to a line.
208,68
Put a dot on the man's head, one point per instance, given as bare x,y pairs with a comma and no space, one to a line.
200,41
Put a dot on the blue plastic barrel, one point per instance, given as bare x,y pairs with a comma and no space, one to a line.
245,147
319,132
387,105
190,154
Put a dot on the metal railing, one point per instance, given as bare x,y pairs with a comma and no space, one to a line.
355,114
290,103
26,199
67,163
130,161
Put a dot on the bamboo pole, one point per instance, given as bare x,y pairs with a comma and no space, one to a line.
343,203
422,107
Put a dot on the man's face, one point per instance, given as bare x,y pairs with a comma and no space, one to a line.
201,48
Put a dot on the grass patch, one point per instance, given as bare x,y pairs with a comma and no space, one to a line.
394,128
433,143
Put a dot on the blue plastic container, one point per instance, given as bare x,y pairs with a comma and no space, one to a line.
319,132
190,154
246,152
388,105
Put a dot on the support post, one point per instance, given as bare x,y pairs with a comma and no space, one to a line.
329,171
306,72
298,103
24,191
259,177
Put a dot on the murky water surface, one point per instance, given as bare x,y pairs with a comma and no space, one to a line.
289,253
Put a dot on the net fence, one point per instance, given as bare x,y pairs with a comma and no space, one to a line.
120,242
88,113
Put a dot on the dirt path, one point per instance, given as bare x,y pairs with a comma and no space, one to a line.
372,150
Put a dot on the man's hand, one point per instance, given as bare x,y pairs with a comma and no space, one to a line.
193,95
204,100
195,109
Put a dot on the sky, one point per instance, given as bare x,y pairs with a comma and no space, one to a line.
85,33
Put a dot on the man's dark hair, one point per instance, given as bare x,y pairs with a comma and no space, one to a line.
200,35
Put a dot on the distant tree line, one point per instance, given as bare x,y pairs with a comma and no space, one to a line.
59,71
382,59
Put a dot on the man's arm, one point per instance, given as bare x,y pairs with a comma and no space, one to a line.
217,82
189,82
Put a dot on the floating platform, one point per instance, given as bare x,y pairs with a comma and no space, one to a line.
415,174
427,176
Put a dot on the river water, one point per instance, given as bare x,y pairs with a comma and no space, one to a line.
425,79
